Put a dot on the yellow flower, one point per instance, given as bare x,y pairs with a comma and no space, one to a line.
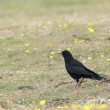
49,22
62,107
26,44
69,49
97,86
59,107
27,51
108,60
101,56
81,41
75,41
51,57
52,53
21,34
89,58
65,106
42,102
65,25
13,63
91,30
86,107
9,49
37,108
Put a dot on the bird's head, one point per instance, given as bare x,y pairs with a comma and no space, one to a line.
67,55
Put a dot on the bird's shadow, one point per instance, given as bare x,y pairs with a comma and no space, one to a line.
25,87
63,83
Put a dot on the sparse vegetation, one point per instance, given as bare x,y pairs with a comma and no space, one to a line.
32,32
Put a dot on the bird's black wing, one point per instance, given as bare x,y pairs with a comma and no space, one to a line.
75,62
78,70
83,71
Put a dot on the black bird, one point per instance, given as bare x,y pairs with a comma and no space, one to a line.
77,70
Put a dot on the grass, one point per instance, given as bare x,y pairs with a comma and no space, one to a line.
31,30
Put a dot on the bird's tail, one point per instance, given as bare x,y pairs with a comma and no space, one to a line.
101,77
105,78
97,77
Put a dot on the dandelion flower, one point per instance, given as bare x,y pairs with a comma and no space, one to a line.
81,41
69,49
108,60
75,41
13,63
49,22
101,56
27,51
97,86
9,49
65,106
37,108
52,53
26,44
91,30
65,25
86,107
62,107
59,107
89,58
60,25
21,34
42,102
51,57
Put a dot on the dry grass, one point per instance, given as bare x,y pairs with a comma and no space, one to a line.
28,35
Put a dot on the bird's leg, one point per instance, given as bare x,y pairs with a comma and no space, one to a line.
79,84
77,81
76,85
